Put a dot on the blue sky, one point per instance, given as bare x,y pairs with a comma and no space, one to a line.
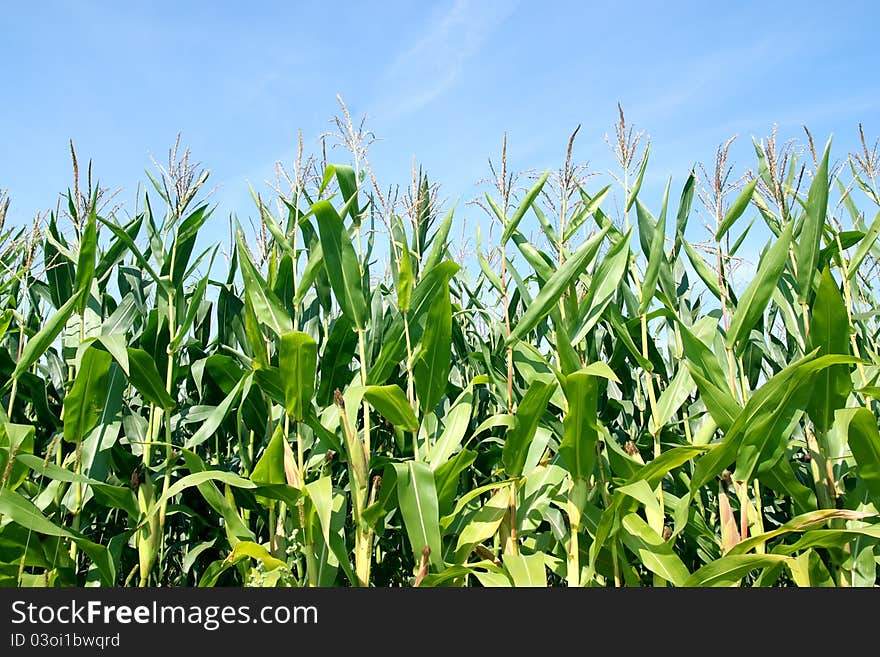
439,81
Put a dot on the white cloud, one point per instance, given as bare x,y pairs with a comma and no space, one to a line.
436,59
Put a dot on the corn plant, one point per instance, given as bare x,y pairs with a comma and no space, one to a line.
595,398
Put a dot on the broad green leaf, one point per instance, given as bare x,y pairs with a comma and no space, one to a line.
17,443
394,339
524,206
580,428
709,277
753,301
404,278
864,441
126,239
606,279
85,265
456,423
390,401
526,570
44,338
23,512
439,245
432,362
865,246
640,176
298,361
655,553
540,261
484,524
249,549
830,538
807,570
417,497
588,210
268,308
270,466
810,240
684,210
528,414
798,524
730,569
341,263
554,288
85,401
656,256
194,303
761,424
117,497
236,529
446,477
736,210
217,415
672,397
829,333
348,186
144,375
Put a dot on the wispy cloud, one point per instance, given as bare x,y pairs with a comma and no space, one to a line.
438,57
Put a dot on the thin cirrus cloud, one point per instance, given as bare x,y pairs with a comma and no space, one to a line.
437,58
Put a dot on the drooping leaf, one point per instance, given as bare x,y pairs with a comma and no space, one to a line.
390,401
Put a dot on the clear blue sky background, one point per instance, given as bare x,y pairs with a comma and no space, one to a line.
439,81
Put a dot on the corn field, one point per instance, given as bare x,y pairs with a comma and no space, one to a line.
346,393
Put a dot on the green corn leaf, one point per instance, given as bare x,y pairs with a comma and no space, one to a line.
528,414
85,265
404,278
526,570
606,279
511,225
439,242
553,289
736,210
144,376
341,263
640,176
394,339
829,333
709,277
588,210
730,569
684,211
864,441
23,512
580,426
267,307
865,246
417,498
44,338
754,300
810,240
390,401
656,256
432,364
85,401
298,362
655,553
